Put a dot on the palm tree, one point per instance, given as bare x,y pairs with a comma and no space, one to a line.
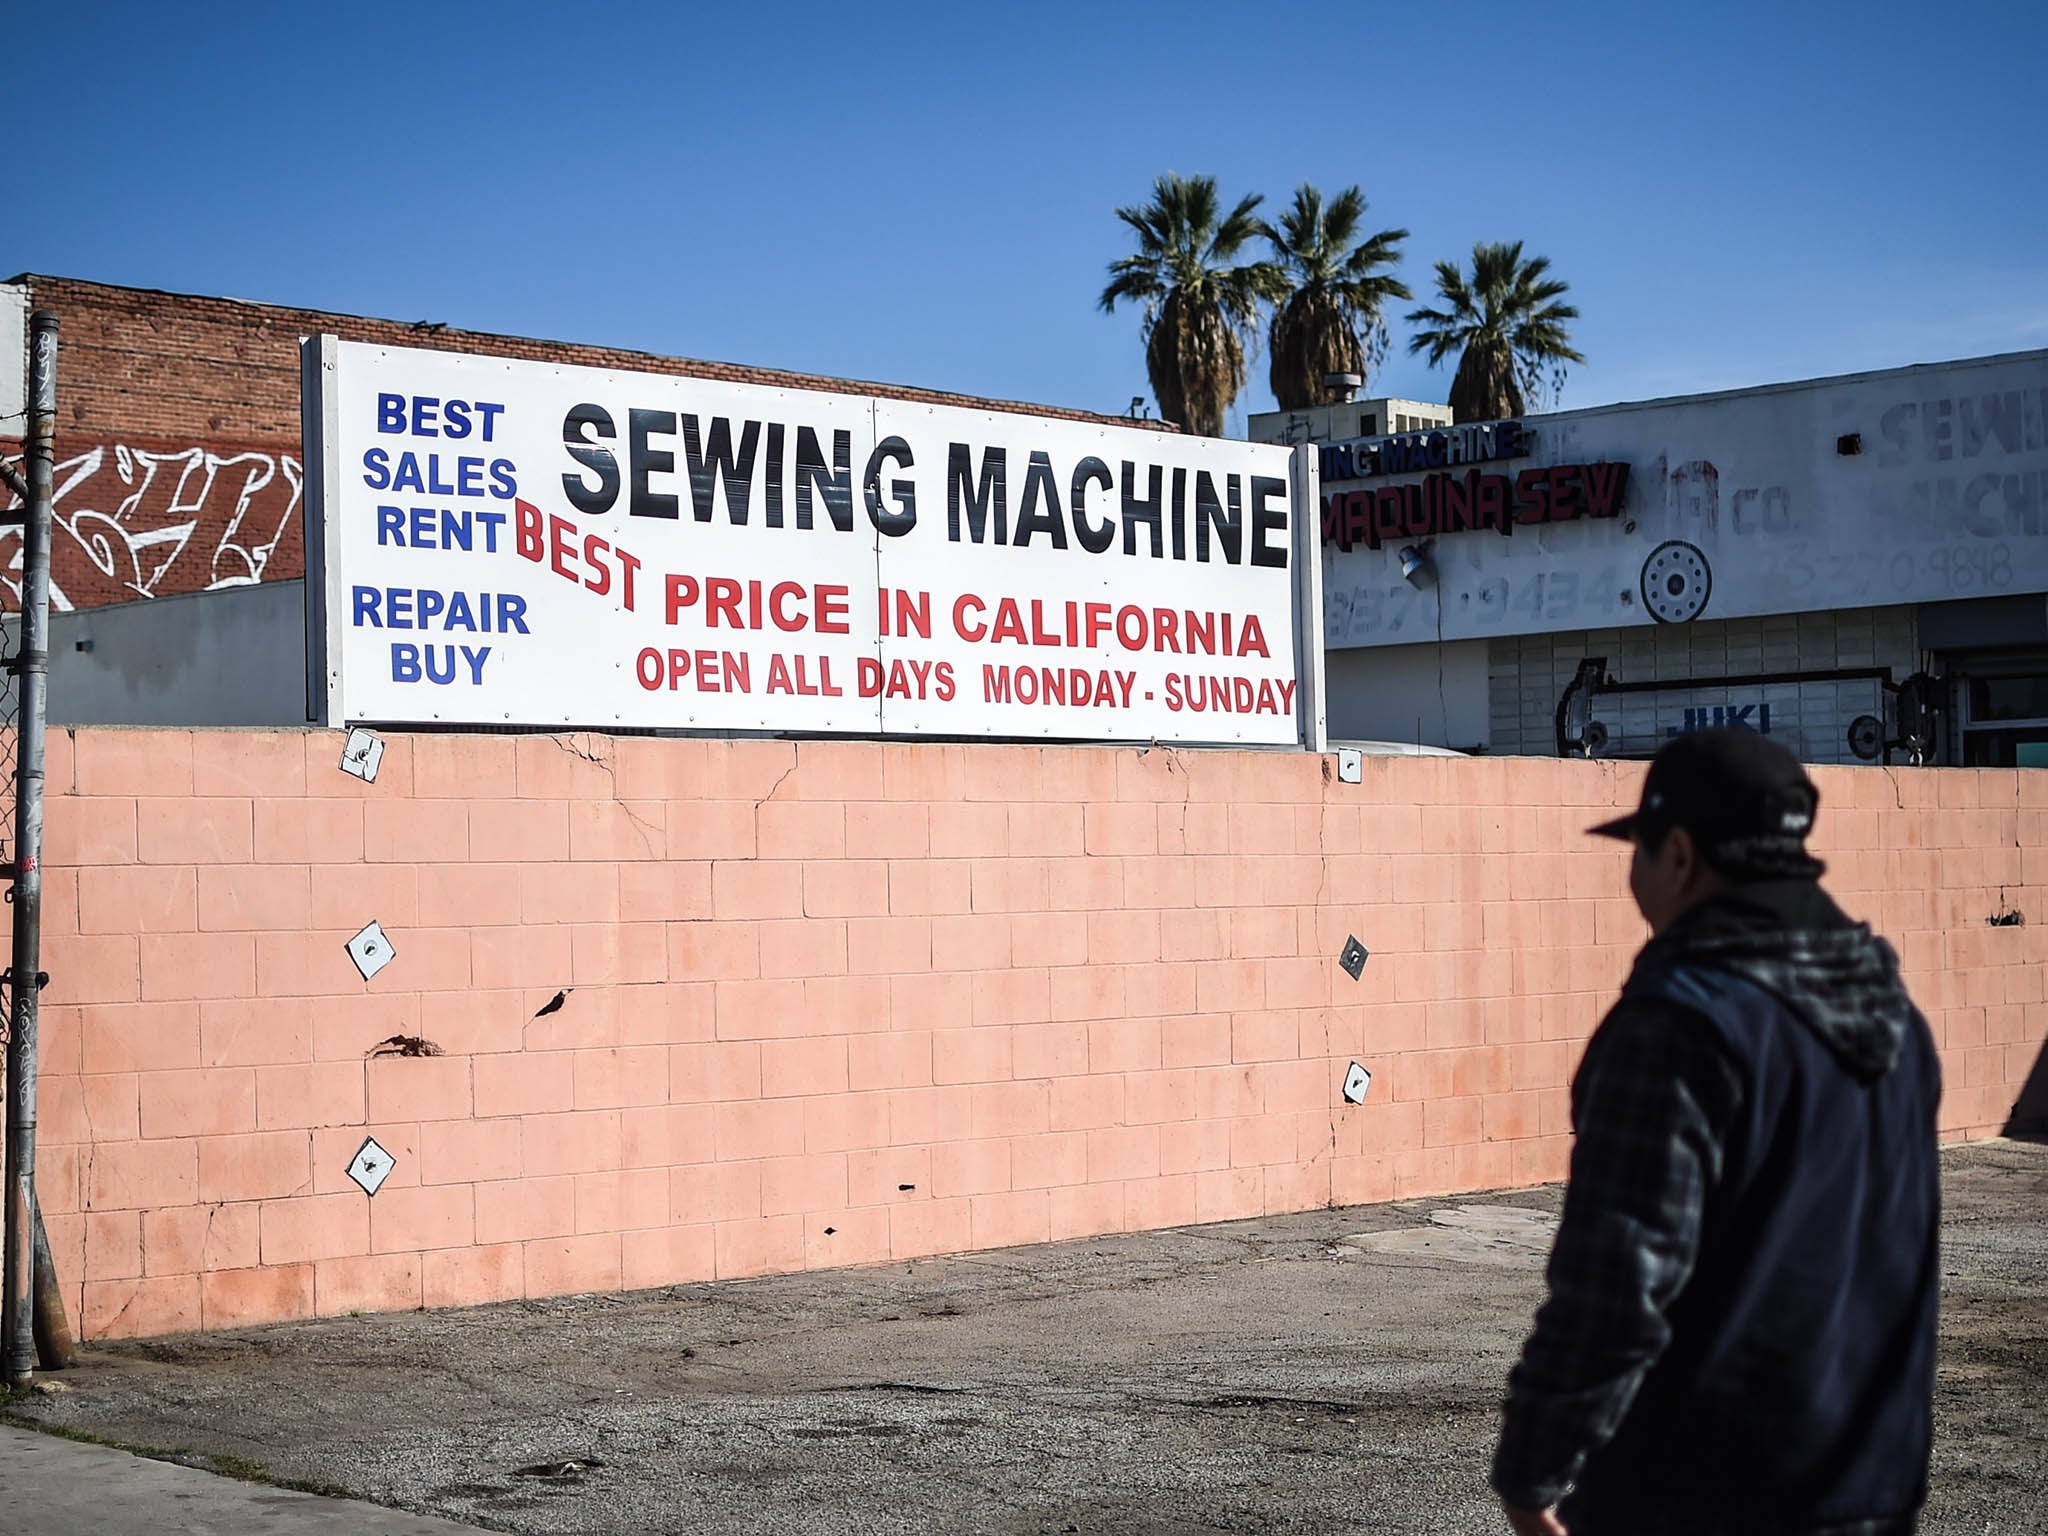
1201,307
1333,320
1509,325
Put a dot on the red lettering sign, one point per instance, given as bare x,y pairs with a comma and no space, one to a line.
1460,503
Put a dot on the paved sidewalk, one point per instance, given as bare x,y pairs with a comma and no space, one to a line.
54,1487
1333,1371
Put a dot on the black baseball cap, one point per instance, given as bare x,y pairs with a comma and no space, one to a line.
1740,795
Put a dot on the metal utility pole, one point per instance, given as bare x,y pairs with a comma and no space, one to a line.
31,668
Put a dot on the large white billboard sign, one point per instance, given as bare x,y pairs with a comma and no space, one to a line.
1917,485
502,542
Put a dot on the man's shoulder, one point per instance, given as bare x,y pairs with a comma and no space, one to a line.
1688,986
1698,1006
1673,999
1650,1033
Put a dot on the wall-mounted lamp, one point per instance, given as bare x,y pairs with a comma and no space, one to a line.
1415,564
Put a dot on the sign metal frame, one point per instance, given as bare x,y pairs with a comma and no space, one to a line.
1047,580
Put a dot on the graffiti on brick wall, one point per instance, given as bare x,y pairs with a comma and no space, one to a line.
131,522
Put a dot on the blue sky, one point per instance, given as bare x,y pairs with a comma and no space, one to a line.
924,194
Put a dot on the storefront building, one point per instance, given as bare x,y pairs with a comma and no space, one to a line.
1855,565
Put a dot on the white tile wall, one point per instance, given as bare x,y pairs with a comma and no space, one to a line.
1529,674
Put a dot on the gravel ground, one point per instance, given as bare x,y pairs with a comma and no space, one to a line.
1328,1371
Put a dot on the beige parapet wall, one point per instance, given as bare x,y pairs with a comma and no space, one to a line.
835,1003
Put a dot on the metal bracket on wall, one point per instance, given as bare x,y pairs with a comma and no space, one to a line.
1354,957
1579,735
361,754
371,950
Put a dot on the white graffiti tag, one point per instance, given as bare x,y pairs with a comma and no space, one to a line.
134,522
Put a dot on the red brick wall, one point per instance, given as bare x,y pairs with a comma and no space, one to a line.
832,1002
145,375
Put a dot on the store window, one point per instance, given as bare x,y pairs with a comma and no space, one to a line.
2005,720
2008,698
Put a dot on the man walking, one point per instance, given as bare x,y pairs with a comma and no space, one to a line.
1740,1330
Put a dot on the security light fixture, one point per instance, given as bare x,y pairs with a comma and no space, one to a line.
1415,564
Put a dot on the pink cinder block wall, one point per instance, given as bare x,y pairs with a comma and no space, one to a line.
833,1003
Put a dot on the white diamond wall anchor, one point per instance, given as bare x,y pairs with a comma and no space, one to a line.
371,1165
371,951
1356,1081
1350,765
361,754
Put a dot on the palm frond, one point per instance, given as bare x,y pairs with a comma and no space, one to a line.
1329,316
1201,303
1505,322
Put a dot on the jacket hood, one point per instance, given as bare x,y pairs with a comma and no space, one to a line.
1837,977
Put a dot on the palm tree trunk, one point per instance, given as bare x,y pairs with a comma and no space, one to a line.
1485,388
